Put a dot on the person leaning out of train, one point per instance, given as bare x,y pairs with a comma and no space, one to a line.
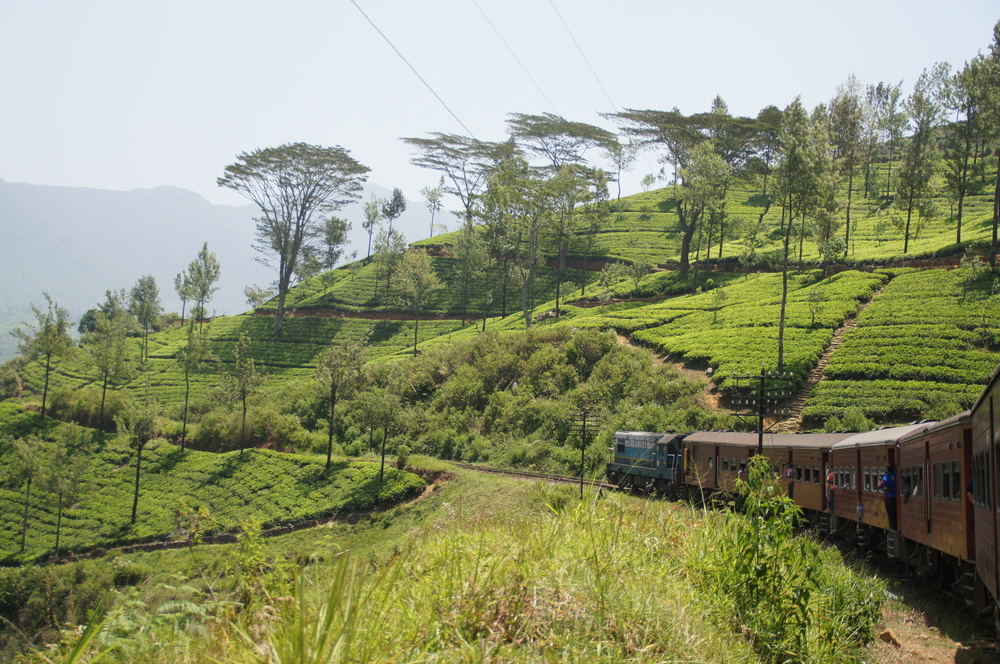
888,484
830,486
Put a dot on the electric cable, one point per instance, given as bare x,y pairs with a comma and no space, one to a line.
517,59
415,72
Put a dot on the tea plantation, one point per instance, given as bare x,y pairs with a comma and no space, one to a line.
258,485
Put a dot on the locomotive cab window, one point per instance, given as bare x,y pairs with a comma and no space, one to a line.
621,447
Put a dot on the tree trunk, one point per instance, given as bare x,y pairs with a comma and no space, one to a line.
45,390
781,320
996,217
381,469
183,306
909,213
187,393
329,437
416,326
59,523
24,527
888,177
138,469
104,392
243,428
847,224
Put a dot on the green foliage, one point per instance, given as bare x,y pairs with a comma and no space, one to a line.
918,349
271,487
778,589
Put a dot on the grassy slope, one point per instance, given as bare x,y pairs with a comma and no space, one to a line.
262,485
639,226
485,566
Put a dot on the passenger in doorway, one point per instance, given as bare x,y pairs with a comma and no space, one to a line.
888,484
790,476
830,486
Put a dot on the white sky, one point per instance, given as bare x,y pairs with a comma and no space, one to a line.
123,95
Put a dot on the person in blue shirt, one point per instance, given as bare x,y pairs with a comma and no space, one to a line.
888,484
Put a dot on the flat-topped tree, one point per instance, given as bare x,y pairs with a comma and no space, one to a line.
295,186
464,162
47,337
556,139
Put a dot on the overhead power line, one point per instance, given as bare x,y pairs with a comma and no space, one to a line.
583,55
413,69
517,59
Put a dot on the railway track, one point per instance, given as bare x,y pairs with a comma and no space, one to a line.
559,479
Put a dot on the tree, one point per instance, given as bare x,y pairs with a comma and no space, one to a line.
817,296
395,206
926,114
622,156
677,135
293,185
373,218
888,119
847,132
432,201
704,182
65,475
184,289
333,238
144,304
389,250
338,374
193,357
471,256
138,425
257,296
242,381
418,284
203,272
107,349
47,337
517,199
464,163
27,467
560,141
966,91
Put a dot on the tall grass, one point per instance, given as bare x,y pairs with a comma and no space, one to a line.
790,599
603,579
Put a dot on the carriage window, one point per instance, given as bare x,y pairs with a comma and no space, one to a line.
815,474
868,479
945,481
937,480
711,463
798,473
956,481
725,463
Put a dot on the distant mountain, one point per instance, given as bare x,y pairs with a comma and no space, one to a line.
77,243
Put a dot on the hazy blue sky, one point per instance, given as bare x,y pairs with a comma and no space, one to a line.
124,95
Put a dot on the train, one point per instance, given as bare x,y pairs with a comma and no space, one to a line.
943,522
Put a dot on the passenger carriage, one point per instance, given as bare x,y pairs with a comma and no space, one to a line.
984,475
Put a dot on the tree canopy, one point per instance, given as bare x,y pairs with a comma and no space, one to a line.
294,185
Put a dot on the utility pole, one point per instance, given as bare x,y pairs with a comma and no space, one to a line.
583,419
762,394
